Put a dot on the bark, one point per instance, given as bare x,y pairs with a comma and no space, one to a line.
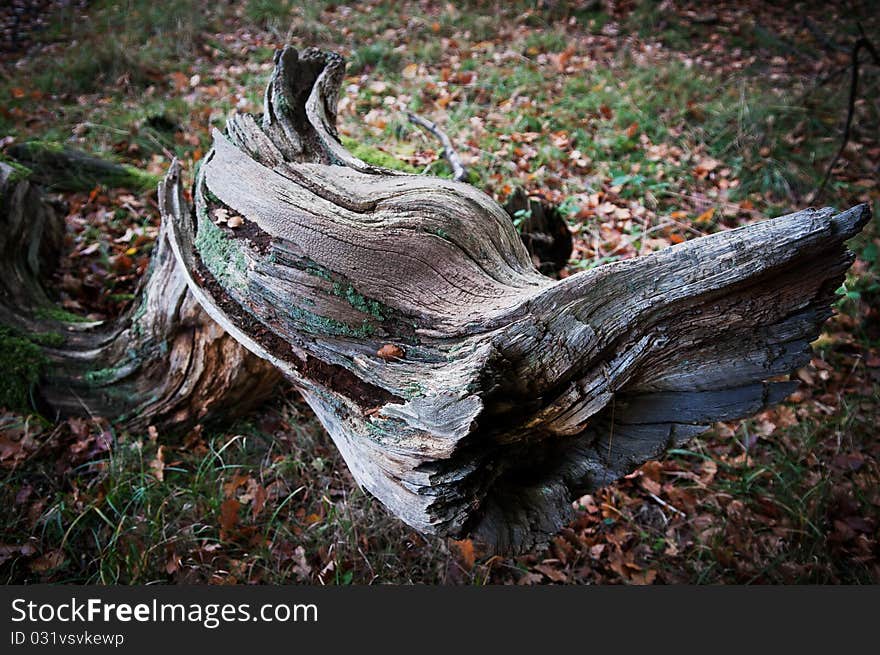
164,362
469,393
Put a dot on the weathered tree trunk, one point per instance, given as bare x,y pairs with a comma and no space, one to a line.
468,392
164,362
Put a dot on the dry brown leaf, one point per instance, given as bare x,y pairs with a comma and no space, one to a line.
229,514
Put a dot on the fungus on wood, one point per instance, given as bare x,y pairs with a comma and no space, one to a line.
466,391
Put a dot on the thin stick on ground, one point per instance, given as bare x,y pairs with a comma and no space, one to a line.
459,172
863,42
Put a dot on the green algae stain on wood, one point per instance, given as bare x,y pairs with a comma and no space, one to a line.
322,325
359,302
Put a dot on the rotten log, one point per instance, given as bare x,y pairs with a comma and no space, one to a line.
466,391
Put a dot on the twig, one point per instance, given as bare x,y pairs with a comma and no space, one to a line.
666,505
862,42
459,172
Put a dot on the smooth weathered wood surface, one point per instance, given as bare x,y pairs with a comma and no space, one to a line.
163,363
468,392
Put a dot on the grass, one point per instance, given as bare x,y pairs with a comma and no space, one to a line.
124,39
151,518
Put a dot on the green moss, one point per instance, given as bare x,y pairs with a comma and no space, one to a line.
69,169
212,197
47,146
314,268
359,302
21,362
375,156
414,389
101,376
60,315
138,315
322,325
135,178
51,339
221,255
19,171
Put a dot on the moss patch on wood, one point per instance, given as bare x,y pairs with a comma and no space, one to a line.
19,171
21,361
50,339
359,302
65,168
221,255
322,325
60,315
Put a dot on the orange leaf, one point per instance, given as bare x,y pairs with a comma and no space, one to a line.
706,216
466,549
179,80
676,238
48,561
173,564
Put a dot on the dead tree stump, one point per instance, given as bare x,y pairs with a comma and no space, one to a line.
469,393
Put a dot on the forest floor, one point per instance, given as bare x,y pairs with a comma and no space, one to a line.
649,123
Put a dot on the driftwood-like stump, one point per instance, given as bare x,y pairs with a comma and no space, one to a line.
469,393
466,391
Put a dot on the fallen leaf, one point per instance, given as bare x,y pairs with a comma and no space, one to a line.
48,561
229,514
466,550
173,564
553,574
706,216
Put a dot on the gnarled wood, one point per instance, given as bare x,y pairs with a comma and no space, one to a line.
468,392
